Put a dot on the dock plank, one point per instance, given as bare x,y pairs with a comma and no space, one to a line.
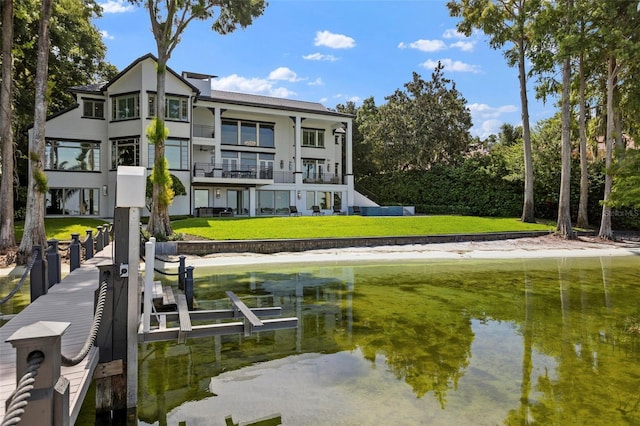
69,301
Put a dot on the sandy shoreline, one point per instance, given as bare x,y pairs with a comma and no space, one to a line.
538,247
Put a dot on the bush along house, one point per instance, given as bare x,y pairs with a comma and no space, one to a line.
236,154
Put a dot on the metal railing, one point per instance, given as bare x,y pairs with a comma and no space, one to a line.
226,171
203,131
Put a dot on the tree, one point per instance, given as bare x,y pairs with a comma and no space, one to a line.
169,19
425,124
506,21
7,234
34,232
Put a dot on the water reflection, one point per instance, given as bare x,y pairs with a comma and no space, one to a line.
468,342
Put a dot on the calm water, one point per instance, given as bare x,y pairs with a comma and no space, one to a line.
466,342
551,342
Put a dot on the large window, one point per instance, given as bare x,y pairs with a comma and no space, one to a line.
176,151
176,107
273,202
73,201
323,199
313,137
200,198
92,108
250,165
312,170
79,156
125,107
248,133
125,152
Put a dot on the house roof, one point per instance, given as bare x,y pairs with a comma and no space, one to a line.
220,96
269,102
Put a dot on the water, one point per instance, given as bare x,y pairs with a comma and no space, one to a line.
465,342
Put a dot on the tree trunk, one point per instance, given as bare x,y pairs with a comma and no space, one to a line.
583,215
564,204
7,232
159,222
605,224
34,232
528,213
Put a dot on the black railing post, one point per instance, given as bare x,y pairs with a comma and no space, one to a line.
74,252
181,272
188,287
53,263
88,245
99,239
38,276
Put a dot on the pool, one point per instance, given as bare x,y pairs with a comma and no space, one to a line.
477,342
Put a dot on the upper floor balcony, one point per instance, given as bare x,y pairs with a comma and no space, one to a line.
324,178
241,174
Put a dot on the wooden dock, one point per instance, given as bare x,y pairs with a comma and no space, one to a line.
70,301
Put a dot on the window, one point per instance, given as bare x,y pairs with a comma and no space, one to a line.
176,151
312,170
324,200
125,152
200,198
73,201
92,108
175,107
125,107
313,137
273,202
248,133
77,156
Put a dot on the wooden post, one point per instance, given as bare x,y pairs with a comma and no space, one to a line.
46,403
38,275
74,252
99,239
88,245
181,272
150,254
53,263
188,287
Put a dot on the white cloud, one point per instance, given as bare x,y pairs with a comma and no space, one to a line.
323,100
424,45
484,111
320,57
465,46
105,35
487,128
116,6
256,86
317,82
450,65
283,73
453,33
488,119
334,41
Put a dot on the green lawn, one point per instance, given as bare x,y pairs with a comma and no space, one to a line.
62,228
308,226
347,226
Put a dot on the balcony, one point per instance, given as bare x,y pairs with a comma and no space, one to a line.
323,178
203,131
225,173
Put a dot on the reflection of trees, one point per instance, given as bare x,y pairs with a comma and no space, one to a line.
425,345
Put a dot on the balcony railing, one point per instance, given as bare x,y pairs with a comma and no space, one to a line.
203,131
322,178
226,171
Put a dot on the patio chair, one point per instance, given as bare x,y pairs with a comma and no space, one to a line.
316,210
337,210
356,209
293,210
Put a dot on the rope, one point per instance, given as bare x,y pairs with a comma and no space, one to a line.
97,318
17,287
171,274
167,260
19,399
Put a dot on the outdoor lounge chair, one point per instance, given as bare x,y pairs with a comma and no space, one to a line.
293,210
356,209
316,210
337,210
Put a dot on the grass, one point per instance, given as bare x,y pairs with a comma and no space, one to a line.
347,226
62,228
307,226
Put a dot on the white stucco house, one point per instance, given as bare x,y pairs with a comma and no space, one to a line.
254,155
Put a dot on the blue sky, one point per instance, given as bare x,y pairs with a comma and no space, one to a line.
332,51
